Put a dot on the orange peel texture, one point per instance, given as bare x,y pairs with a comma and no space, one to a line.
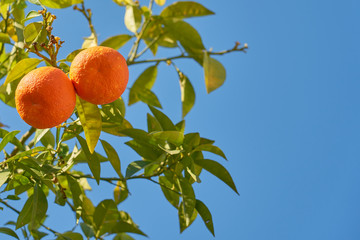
99,74
45,97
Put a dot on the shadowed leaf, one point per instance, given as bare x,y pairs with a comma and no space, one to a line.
205,214
112,156
8,231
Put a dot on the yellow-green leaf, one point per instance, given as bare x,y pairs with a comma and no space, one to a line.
185,9
112,156
90,119
160,2
59,3
4,38
90,41
187,95
146,80
215,73
21,68
32,30
117,41
132,18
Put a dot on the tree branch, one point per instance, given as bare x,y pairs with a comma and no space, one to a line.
157,60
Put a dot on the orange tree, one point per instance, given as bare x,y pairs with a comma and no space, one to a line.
44,162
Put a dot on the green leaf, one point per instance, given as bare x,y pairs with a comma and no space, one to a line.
106,215
69,236
4,175
9,231
32,14
90,41
45,136
205,214
148,97
26,153
121,192
21,68
165,122
188,199
122,236
90,119
34,209
172,196
217,170
187,95
32,30
188,37
174,137
125,2
60,3
183,220
4,38
72,55
132,18
136,166
211,148
185,9
160,2
146,80
76,193
87,230
92,159
117,41
153,124
215,73
8,138
112,156
14,141
126,227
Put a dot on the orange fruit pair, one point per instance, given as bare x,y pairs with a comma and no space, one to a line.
45,97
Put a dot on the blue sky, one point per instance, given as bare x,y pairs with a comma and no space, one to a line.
286,117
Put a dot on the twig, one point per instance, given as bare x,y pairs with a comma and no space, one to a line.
87,13
243,49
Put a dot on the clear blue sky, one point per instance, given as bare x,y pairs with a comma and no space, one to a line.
287,119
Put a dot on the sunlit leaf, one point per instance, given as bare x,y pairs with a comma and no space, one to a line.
160,2
32,30
90,41
73,54
174,137
7,138
112,156
205,214
121,192
215,73
4,175
184,222
148,97
9,232
92,159
153,124
90,119
185,9
117,41
4,38
59,3
32,14
217,170
132,18
22,68
26,153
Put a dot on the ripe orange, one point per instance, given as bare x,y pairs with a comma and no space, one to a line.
45,97
99,74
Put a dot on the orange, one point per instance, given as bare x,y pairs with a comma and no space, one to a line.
45,97
99,74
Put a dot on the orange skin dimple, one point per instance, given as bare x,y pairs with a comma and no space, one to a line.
99,74
45,97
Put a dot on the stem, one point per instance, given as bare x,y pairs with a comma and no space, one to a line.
87,14
243,49
18,212
23,139
5,29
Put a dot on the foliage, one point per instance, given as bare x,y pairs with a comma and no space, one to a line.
43,165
